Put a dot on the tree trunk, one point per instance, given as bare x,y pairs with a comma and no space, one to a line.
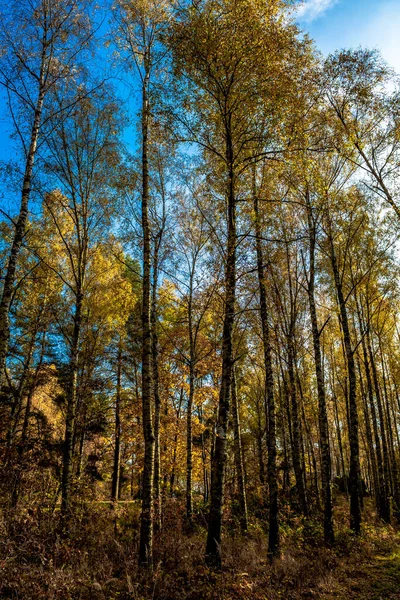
19,395
147,516
383,506
273,531
25,425
156,389
178,414
117,445
239,457
326,466
19,231
354,472
260,435
192,358
391,427
213,546
295,418
204,460
385,455
66,480
370,443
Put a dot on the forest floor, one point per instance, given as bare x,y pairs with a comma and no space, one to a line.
99,560
364,568
371,576
375,579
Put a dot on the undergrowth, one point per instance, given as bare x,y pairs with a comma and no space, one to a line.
98,561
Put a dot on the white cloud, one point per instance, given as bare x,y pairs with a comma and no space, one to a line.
374,24
310,10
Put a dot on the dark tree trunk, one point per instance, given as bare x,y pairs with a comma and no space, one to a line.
189,457
369,438
259,441
204,461
178,414
17,485
391,427
383,502
273,531
117,443
156,388
354,472
80,450
147,515
66,481
312,459
19,395
343,471
295,419
19,231
326,466
385,454
213,546
239,457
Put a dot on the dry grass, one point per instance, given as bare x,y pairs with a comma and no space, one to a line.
100,561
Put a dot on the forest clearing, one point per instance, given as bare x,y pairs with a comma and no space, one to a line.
199,304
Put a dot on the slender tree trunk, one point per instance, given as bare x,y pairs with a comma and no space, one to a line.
390,428
117,443
147,515
295,418
175,447
189,444
66,480
213,546
385,454
25,425
260,435
383,507
156,389
121,472
339,437
354,473
286,459
370,443
326,466
19,396
204,461
80,451
312,459
273,531
239,457
189,457
19,231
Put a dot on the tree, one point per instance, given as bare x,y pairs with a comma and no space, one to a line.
82,148
41,43
349,349
141,26
273,532
367,117
225,52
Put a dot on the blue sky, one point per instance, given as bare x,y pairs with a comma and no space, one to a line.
335,24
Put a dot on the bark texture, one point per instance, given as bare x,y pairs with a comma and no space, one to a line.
326,466
117,441
273,531
354,471
147,515
238,451
213,546
20,226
